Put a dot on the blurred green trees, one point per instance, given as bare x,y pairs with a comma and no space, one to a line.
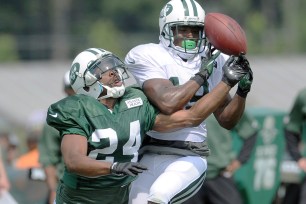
58,29
8,49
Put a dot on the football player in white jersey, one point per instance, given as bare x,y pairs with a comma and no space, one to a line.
170,73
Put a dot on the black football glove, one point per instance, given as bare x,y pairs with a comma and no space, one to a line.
244,85
127,168
234,70
243,61
207,65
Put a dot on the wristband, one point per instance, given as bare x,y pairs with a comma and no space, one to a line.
199,78
241,93
112,168
228,82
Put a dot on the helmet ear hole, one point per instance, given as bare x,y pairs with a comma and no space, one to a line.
89,79
86,88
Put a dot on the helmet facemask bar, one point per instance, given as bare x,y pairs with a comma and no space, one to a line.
103,64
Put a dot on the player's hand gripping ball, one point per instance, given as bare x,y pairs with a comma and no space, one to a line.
225,34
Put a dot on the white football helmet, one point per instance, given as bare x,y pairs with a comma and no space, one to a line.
182,13
87,69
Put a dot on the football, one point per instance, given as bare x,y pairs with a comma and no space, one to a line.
225,34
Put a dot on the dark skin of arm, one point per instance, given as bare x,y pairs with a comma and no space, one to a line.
76,159
169,98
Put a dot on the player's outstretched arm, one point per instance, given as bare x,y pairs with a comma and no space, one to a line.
208,104
196,114
170,98
167,97
229,113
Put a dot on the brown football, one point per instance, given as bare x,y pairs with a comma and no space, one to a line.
225,34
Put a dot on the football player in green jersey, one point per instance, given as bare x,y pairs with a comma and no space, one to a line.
104,124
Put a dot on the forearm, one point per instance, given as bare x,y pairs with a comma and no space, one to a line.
230,113
85,166
51,177
169,98
74,152
196,114
240,71
210,102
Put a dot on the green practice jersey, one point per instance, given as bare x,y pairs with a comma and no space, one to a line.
113,136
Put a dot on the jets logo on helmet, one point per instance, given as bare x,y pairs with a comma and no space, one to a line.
73,72
166,11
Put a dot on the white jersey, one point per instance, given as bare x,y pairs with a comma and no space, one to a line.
155,61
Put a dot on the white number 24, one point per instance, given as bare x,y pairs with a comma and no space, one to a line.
111,134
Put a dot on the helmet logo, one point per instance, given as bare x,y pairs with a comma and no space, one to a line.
75,68
169,9
166,11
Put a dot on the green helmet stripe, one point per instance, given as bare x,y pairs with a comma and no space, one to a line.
92,51
185,8
195,11
194,7
95,52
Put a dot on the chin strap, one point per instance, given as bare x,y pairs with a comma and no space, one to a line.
114,92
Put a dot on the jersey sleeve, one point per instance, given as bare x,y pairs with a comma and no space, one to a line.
49,146
297,113
141,63
67,116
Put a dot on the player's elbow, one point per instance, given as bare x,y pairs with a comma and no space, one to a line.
227,124
168,108
72,165
193,122
196,122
